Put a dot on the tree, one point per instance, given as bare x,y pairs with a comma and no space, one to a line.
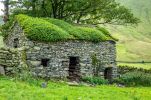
82,11
6,11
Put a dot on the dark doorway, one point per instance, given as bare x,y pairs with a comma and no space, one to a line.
108,73
16,43
74,69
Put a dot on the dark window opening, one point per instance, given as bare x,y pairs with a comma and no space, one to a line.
74,69
112,42
44,62
16,42
108,73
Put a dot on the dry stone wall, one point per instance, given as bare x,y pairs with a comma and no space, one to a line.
10,59
59,55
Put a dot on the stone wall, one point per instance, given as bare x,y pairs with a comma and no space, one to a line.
58,54
9,58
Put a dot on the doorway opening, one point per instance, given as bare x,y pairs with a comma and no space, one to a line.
74,68
108,73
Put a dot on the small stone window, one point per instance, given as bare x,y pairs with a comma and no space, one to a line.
44,62
16,43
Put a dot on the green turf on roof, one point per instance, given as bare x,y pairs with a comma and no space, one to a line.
50,30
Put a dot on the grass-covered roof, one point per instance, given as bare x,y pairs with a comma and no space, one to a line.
51,30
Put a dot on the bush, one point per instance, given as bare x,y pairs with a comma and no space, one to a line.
95,80
135,78
124,69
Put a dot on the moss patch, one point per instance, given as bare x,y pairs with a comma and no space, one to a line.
51,30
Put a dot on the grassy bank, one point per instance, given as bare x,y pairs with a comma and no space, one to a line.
137,65
16,90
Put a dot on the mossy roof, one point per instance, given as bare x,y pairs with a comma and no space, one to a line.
53,30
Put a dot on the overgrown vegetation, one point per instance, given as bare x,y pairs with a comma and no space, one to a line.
135,78
122,69
51,30
95,80
96,64
131,76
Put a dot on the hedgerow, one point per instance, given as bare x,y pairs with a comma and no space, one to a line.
51,30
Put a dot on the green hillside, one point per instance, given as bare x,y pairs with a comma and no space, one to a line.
134,42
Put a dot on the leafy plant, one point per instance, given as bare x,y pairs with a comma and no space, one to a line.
135,78
96,64
95,80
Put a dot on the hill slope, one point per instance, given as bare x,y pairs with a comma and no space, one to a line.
134,42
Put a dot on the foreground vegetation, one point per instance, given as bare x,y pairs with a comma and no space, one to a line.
16,90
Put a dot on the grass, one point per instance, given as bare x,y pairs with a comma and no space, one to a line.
53,30
17,90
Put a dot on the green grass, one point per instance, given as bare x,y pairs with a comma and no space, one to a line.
52,30
16,90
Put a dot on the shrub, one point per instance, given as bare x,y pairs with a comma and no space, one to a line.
124,69
135,78
95,80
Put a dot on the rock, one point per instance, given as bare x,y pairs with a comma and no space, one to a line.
43,84
35,63
73,83
37,48
2,70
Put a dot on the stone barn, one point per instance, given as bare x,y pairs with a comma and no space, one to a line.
57,49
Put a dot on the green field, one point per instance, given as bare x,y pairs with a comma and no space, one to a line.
16,90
